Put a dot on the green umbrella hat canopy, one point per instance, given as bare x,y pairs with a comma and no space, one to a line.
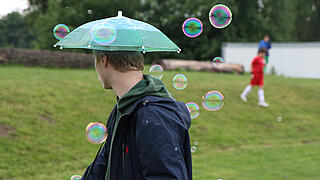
118,34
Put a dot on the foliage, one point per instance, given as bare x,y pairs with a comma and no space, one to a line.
14,31
287,20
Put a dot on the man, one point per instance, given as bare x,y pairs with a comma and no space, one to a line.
147,130
265,43
257,66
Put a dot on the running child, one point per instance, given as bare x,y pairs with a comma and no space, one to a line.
257,67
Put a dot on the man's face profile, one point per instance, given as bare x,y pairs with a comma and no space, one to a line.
101,66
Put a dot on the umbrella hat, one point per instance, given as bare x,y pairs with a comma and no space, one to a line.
118,34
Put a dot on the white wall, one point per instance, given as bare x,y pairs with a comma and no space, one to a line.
289,59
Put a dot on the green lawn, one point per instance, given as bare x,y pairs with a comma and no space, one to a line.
44,112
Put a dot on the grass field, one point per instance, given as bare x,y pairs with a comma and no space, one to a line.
44,112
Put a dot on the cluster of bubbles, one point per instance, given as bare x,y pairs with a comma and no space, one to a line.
220,16
179,81
96,133
211,101
60,31
75,177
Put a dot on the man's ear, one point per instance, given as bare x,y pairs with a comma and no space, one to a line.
104,60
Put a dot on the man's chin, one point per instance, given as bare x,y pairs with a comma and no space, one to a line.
106,87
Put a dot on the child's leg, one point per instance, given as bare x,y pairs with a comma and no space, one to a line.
245,92
261,94
261,98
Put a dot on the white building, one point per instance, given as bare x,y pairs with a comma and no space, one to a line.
289,59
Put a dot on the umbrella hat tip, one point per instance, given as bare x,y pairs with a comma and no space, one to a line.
119,13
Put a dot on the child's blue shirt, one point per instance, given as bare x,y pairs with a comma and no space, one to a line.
266,45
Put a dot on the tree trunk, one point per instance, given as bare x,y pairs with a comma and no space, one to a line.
174,64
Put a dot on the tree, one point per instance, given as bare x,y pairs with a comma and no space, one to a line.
14,31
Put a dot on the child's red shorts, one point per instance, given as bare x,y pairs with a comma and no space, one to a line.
257,79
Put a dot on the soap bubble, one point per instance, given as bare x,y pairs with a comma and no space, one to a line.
193,109
192,27
89,11
96,133
279,118
220,16
213,101
60,31
193,149
156,71
179,81
217,62
75,177
103,33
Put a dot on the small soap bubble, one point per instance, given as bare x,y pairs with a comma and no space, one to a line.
176,148
213,101
179,82
193,109
196,143
96,132
192,27
75,177
103,33
217,62
193,149
60,31
220,16
156,71
279,119
89,11
220,179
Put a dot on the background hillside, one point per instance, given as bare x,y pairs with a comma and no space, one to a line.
44,112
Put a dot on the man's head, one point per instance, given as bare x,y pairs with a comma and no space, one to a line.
262,52
266,38
110,63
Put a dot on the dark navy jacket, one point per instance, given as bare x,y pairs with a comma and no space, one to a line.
151,143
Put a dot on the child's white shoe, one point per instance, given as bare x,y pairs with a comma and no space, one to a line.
244,98
263,104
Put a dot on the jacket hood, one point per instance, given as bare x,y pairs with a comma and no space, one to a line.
149,86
